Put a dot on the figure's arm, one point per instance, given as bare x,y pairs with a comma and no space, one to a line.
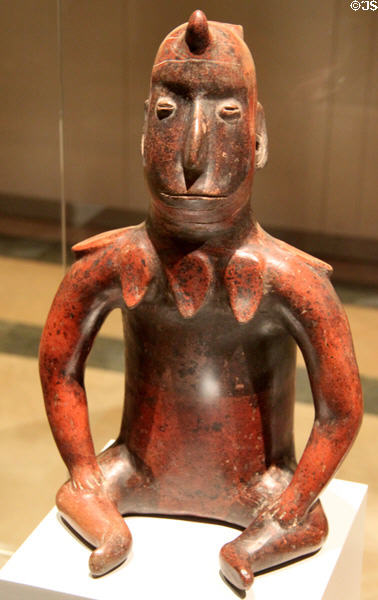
317,321
87,294
293,525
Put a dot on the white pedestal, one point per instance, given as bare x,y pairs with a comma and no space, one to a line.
174,559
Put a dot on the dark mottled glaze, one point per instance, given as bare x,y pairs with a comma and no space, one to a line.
213,309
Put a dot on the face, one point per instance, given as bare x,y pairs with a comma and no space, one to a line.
199,142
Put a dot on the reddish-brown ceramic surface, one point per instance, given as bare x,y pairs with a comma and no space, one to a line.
213,309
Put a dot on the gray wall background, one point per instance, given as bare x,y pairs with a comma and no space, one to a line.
317,68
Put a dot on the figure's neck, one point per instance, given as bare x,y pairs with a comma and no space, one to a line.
219,239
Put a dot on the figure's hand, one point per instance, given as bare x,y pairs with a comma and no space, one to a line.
85,478
86,505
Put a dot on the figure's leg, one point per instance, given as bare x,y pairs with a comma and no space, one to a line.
266,543
93,510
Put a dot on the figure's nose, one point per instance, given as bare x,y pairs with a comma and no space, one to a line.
195,146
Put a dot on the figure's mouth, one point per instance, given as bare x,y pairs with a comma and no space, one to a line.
194,195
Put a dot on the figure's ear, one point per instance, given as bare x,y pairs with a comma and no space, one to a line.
146,103
261,155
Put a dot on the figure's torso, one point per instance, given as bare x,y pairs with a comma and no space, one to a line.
202,394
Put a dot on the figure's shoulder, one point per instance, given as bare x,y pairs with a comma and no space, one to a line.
128,253
263,265
269,259
282,257
115,239
298,278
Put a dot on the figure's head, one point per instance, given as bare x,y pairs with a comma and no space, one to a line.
204,132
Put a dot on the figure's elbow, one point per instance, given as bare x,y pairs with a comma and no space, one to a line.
355,405
356,413
340,416
352,413
53,363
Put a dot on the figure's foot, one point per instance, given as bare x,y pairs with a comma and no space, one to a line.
113,551
236,566
266,543
95,517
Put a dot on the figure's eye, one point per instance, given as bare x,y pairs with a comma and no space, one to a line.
230,111
165,108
